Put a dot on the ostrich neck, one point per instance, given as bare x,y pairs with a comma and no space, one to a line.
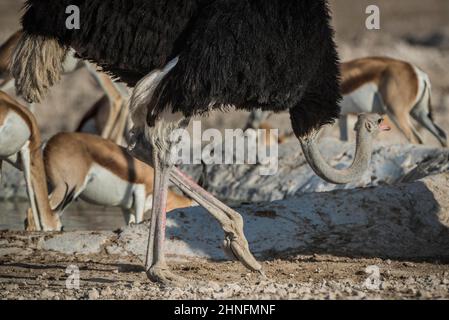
364,145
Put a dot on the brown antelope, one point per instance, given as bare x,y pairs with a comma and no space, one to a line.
78,165
20,145
98,171
389,86
6,52
385,86
95,120
116,93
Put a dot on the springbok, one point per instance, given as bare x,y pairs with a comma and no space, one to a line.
78,165
392,87
98,171
116,93
20,145
6,52
95,120
385,86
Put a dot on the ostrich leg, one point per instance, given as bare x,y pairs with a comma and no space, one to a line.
235,242
161,147
164,170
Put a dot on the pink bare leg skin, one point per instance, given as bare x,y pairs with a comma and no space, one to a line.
156,267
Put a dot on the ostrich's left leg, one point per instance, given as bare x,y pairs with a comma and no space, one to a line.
235,243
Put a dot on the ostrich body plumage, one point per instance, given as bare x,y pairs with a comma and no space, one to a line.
270,54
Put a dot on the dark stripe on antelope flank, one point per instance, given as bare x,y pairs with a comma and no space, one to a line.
92,149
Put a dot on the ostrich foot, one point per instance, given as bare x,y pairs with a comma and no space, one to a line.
162,275
237,248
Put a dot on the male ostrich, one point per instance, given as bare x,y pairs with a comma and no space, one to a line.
187,58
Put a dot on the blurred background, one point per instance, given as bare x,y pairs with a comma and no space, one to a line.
413,30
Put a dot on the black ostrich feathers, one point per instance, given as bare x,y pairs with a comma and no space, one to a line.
269,54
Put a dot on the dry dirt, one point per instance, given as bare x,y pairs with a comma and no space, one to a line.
34,274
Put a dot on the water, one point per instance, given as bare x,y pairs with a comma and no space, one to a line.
78,216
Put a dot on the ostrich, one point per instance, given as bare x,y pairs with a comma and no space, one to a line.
189,57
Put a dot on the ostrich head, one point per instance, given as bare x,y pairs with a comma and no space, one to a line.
368,126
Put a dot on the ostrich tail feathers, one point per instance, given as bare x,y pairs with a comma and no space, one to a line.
37,65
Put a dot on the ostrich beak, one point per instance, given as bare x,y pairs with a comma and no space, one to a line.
384,127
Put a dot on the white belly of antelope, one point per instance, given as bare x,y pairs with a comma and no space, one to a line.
103,187
14,133
364,99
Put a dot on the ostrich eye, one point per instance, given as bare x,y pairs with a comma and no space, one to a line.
380,121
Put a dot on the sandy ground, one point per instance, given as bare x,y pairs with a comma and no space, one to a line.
42,275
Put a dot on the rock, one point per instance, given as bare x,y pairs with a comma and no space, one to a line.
11,287
424,294
81,242
93,294
389,165
107,292
10,251
406,221
116,251
235,288
47,294
432,165
214,286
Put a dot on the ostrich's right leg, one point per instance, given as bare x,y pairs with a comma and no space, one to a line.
235,243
